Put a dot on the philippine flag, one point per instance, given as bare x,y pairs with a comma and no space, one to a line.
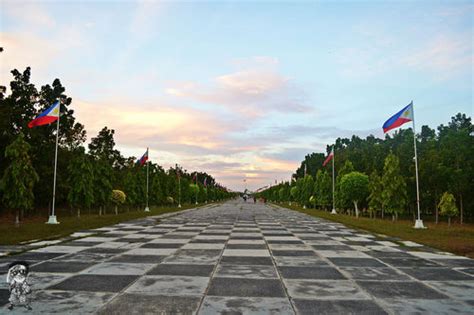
143,159
329,158
403,116
48,116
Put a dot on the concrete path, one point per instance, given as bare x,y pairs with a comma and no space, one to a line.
242,258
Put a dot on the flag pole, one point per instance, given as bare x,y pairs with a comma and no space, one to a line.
197,188
147,171
52,218
333,190
418,222
179,187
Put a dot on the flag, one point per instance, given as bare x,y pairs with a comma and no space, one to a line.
205,181
48,116
329,158
143,159
305,170
403,116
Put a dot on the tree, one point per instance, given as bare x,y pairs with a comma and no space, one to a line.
354,187
375,193
117,197
19,177
341,200
323,189
447,205
307,190
194,191
394,195
80,179
294,192
102,183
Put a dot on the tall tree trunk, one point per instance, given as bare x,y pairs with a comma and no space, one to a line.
17,218
78,213
462,209
393,217
356,209
382,213
116,209
436,212
449,221
100,210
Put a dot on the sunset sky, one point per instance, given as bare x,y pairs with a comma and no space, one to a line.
244,89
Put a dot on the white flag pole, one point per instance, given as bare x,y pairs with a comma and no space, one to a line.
52,218
197,188
147,171
179,186
418,222
333,190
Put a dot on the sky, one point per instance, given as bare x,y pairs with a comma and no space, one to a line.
244,89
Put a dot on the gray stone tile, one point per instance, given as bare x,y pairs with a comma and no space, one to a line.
95,283
161,245
61,266
116,268
242,260
246,287
138,259
169,285
436,274
402,290
4,296
138,304
423,306
310,273
310,307
308,261
325,289
356,262
244,305
246,271
277,252
246,246
409,262
182,270
371,273
461,290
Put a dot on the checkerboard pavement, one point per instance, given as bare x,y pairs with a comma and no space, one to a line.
243,258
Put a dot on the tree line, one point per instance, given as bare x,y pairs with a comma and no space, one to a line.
376,177
86,179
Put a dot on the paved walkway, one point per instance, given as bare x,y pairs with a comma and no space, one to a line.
243,258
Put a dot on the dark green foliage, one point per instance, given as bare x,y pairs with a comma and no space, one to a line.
355,187
19,177
84,180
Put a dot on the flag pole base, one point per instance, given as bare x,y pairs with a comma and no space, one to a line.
52,220
147,209
419,224
179,206
333,211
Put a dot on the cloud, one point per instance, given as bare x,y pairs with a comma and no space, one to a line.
28,14
18,54
444,56
253,92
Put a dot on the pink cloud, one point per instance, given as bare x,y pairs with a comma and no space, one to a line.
253,92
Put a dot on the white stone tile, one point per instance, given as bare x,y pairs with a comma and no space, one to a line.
247,252
151,251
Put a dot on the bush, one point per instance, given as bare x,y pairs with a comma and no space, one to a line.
117,197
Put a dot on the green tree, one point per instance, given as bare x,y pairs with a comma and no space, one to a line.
341,200
323,189
375,194
447,205
80,179
294,192
394,195
307,190
18,178
354,187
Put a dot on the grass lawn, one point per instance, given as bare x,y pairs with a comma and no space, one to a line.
36,229
458,239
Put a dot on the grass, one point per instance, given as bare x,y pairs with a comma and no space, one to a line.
36,229
458,239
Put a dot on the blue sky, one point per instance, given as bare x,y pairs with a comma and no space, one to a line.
244,89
